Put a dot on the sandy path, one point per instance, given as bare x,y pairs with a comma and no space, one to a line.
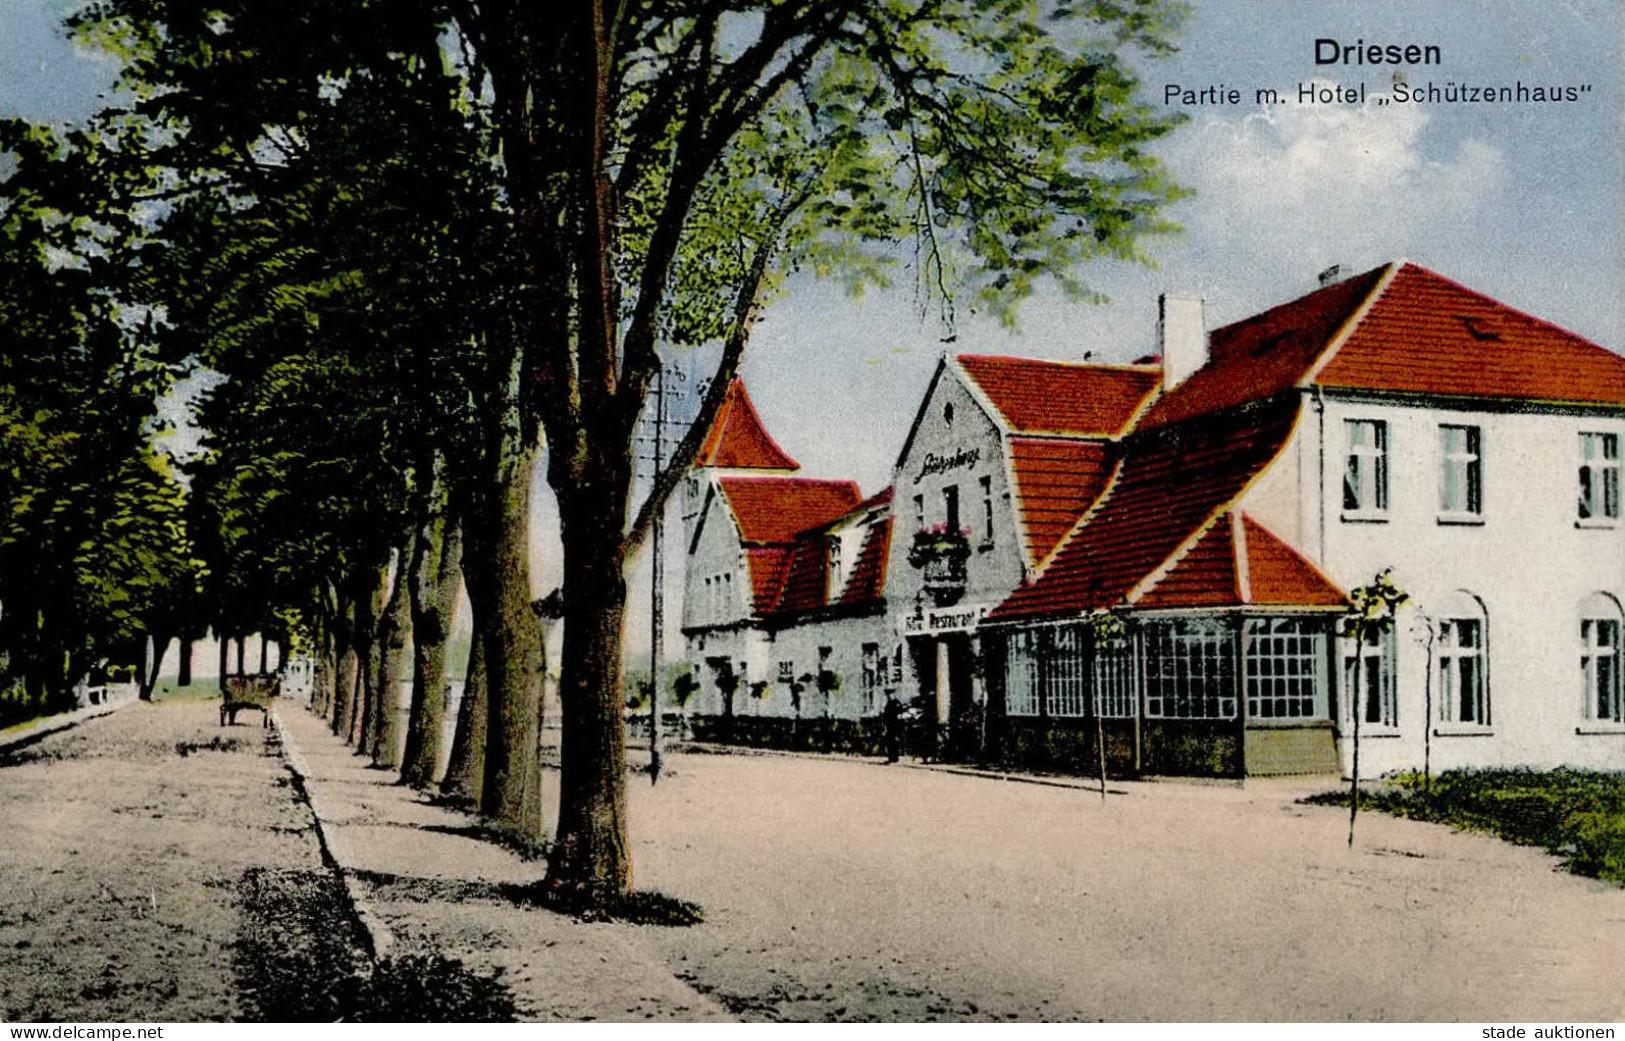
839,890
149,857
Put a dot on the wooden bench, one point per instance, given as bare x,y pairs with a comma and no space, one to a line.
247,692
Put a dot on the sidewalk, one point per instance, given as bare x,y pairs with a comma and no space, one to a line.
34,730
425,880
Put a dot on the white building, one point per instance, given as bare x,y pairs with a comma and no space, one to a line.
1160,555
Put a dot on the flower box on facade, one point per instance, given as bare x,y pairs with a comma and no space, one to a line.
940,556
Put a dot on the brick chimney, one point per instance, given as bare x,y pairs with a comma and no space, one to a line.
1181,336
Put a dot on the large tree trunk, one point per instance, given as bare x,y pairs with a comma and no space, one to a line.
509,795
591,858
366,647
433,585
465,772
394,632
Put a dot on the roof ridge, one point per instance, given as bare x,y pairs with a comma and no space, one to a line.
1140,588
1077,526
1351,323
1240,548
1248,518
1123,366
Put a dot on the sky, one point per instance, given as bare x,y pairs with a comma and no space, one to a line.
1523,202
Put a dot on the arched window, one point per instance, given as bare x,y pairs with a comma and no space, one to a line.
1462,652
1600,625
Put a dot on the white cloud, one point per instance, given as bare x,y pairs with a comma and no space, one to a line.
1282,190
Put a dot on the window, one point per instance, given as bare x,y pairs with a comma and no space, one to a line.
1114,679
873,673
1461,471
787,671
834,551
950,508
1021,674
1365,482
1600,659
1062,675
1463,690
1284,658
987,511
948,414
1599,477
919,513
1190,670
1372,667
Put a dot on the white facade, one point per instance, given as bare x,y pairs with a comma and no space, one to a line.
1519,561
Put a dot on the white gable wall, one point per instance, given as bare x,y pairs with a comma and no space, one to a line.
959,454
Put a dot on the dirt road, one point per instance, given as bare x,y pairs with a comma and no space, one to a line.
841,891
159,867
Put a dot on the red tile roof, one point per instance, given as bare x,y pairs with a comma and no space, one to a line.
1279,574
806,585
1056,480
738,440
1238,562
1421,333
1170,485
1052,397
777,509
768,567
867,582
1265,354
1427,334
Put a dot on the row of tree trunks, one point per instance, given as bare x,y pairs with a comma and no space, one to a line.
494,762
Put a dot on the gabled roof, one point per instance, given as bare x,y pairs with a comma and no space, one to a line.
806,584
769,565
1427,334
1169,487
1056,480
1399,328
1079,399
1238,562
867,582
1263,355
777,509
738,440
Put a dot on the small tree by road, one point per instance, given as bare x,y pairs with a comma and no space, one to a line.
1375,606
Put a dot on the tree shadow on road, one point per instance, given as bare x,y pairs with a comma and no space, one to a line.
301,957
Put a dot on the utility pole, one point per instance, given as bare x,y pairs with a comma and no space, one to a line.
657,599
